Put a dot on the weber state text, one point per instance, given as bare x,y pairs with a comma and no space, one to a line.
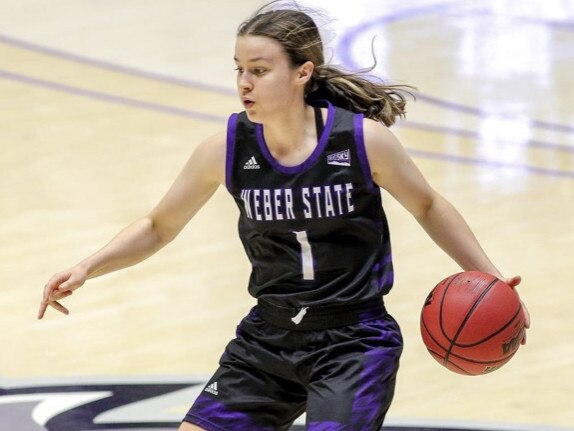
310,202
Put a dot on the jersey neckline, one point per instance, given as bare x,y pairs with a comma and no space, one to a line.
309,161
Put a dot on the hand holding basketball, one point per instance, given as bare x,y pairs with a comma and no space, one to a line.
513,282
473,323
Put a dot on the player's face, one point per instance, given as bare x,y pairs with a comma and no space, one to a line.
266,82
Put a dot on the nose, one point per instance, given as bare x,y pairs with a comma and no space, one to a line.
244,82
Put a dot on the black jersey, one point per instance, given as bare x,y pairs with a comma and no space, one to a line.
315,233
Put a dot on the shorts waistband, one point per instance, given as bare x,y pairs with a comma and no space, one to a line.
320,317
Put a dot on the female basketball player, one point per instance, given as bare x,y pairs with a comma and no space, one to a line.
304,161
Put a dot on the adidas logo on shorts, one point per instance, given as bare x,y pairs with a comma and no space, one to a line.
251,164
212,389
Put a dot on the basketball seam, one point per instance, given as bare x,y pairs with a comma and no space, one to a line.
466,318
517,313
441,306
459,356
432,338
476,361
442,299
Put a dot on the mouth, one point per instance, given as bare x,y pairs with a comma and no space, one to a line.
248,103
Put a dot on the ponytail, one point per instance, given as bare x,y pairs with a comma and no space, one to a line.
299,36
354,92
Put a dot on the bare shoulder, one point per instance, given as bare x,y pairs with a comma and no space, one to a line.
394,170
209,157
378,136
214,143
384,150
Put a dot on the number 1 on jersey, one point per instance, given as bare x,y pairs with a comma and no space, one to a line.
306,255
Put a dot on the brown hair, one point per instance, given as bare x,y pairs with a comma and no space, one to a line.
299,36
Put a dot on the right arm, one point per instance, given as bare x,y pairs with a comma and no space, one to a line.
199,179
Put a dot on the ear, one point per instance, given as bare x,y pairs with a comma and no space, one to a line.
305,72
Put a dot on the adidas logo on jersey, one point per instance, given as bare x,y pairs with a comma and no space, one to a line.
251,164
342,158
212,389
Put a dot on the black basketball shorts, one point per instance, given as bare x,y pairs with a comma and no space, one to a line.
343,378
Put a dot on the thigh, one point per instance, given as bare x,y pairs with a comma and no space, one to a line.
243,394
353,383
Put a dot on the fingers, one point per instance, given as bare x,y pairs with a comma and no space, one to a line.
53,284
54,304
523,341
526,322
526,315
57,288
42,309
60,294
513,281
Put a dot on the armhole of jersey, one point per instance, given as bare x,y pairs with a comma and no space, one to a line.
230,149
362,152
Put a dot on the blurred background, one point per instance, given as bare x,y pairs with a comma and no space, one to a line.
101,104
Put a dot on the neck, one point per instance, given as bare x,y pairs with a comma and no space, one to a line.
292,135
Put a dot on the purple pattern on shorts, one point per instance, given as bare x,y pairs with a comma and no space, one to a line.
379,372
387,279
213,416
325,426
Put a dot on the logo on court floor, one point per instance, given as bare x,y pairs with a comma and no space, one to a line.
130,404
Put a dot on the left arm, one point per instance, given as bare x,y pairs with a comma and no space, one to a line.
393,170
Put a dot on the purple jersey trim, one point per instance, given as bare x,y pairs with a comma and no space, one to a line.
362,152
310,161
230,149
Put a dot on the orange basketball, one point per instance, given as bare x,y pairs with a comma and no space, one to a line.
472,323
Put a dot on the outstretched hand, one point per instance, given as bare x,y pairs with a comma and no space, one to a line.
60,286
513,282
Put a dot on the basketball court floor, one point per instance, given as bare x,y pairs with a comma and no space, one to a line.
102,102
